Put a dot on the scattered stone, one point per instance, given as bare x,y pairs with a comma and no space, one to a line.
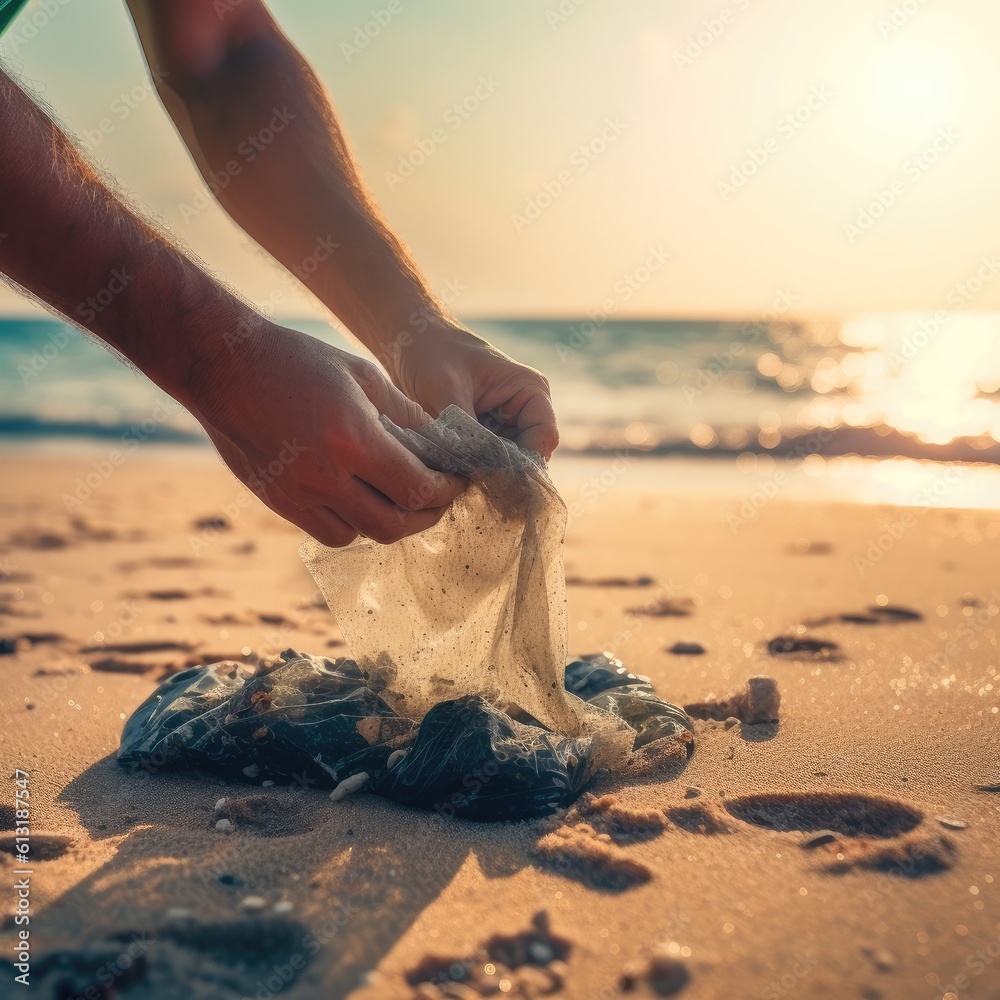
756,703
692,792
266,784
687,649
797,647
253,904
221,804
881,958
223,825
666,607
283,906
730,722
894,612
819,838
808,547
177,914
664,973
212,523
252,771
348,786
952,824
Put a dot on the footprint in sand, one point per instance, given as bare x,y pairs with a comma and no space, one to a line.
201,955
260,816
874,614
610,581
587,842
529,964
41,846
852,830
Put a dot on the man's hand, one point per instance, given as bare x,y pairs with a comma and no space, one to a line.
297,421
447,364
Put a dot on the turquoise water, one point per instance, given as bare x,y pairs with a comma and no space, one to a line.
909,386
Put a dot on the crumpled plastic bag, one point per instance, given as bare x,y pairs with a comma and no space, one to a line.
475,604
315,722
459,677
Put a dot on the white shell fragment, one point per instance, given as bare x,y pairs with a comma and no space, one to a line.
253,904
223,825
394,758
348,786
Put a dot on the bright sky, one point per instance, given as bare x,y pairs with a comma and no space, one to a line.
597,99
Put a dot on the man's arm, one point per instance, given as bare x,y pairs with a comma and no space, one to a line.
262,392
294,185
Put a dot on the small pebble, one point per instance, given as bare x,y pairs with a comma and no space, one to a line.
253,904
540,952
283,906
223,825
178,914
221,804
687,649
819,838
952,824
730,722
349,785
394,758
252,771
266,784
692,793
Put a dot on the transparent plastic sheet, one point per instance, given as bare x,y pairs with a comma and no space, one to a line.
474,605
459,697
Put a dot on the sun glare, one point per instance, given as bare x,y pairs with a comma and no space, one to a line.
912,84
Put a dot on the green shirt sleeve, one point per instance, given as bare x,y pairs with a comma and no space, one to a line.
8,11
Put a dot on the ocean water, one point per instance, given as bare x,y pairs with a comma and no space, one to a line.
899,388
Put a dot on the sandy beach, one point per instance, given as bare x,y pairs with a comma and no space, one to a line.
880,880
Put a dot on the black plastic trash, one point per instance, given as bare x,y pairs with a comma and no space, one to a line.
315,721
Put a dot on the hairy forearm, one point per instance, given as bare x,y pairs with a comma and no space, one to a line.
74,245
267,140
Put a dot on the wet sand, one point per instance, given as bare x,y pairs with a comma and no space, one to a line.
844,850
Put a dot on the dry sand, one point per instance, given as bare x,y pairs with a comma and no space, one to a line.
879,736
